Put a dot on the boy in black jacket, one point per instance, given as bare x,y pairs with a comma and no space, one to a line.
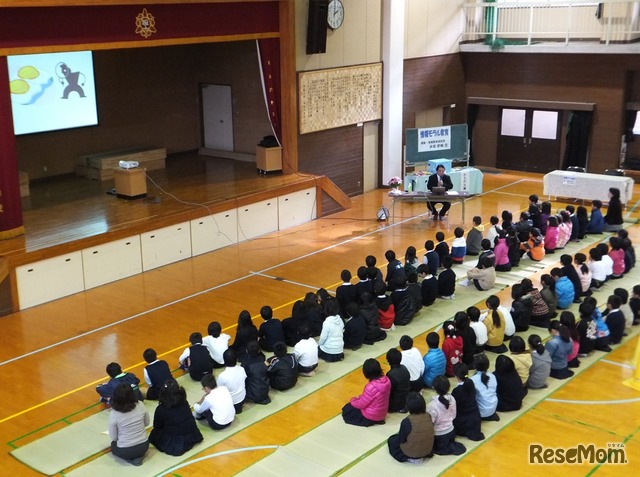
447,281
400,382
429,285
282,368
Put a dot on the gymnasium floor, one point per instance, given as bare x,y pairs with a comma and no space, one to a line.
53,355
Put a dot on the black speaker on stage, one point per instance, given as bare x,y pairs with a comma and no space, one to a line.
317,27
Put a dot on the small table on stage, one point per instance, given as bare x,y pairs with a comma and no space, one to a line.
429,197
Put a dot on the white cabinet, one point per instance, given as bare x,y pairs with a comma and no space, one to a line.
214,231
49,279
111,261
296,208
166,245
257,219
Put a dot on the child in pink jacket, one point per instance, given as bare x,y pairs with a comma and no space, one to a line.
501,251
552,235
371,406
617,255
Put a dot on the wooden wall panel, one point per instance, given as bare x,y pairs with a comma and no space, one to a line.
600,79
336,153
150,97
432,82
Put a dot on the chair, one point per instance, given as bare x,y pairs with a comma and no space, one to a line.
576,169
614,172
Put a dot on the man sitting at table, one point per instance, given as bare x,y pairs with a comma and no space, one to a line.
439,179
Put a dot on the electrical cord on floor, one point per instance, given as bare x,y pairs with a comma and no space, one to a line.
157,200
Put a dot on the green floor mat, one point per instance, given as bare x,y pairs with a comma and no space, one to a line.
78,442
356,451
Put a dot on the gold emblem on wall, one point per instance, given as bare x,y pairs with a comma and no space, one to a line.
145,24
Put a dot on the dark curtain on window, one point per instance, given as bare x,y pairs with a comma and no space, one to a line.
629,122
472,115
578,131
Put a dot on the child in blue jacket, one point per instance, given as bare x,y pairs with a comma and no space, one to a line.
435,361
565,291
596,223
118,377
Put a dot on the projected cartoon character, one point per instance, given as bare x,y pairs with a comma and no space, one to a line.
63,72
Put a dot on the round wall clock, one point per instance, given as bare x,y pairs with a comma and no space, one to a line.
335,14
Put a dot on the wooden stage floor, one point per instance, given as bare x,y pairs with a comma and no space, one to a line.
54,354
69,208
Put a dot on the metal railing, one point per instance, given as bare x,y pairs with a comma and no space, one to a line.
525,22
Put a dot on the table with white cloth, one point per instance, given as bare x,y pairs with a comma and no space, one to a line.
586,186
467,179
428,197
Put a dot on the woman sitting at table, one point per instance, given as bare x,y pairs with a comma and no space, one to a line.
439,179
613,220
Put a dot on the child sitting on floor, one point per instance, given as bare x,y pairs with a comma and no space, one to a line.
428,286
522,359
534,247
451,347
447,280
412,360
540,363
233,378
486,386
431,258
495,324
484,277
216,405
156,373
596,222
494,229
414,441
216,342
510,389
467,420
559,348
442,247
458,246
442,409
306,352
400,382
117,377
474,236
196,359
282,368
371,406
434,361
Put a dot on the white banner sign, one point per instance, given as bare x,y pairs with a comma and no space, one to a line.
434,139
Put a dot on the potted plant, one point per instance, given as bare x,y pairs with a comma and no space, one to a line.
394,183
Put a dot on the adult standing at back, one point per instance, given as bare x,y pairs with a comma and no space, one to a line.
439,179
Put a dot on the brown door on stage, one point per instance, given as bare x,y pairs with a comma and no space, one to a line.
529,140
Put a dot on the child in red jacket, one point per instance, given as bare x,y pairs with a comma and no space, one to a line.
451,346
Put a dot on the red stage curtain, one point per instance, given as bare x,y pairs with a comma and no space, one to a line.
269,57
10,205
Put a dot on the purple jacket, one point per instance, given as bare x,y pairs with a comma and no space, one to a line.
501,251
374,400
